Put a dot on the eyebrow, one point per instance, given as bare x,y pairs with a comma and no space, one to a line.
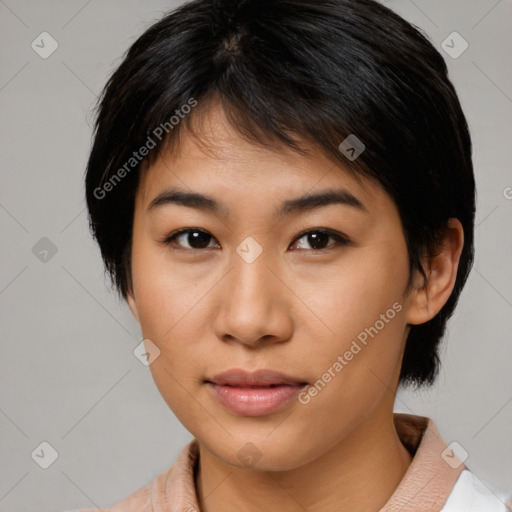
303,203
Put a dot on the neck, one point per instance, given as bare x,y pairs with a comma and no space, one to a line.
372,458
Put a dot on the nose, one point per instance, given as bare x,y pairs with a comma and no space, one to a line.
255,303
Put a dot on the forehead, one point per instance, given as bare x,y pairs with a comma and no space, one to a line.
217,159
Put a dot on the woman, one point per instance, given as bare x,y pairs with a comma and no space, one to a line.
283,192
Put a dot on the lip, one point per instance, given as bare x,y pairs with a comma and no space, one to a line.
254,394
260,378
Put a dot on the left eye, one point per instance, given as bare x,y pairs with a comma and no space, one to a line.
318,239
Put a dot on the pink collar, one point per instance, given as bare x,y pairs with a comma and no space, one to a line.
425,486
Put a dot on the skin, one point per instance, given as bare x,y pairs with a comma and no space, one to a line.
293,310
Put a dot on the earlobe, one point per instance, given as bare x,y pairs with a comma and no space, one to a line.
132,304
441,271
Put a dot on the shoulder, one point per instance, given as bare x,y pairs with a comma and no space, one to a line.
470,494
172,487
140,500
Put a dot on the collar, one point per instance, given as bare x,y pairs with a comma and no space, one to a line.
425,486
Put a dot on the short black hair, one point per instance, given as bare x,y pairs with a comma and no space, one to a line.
286,71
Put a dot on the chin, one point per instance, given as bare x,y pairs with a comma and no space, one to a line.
258,453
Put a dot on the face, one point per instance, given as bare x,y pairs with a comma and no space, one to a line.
313,292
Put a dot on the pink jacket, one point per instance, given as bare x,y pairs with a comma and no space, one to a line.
436,480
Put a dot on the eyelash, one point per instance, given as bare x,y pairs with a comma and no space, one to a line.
339,238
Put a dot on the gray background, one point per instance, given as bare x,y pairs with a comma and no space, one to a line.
69,376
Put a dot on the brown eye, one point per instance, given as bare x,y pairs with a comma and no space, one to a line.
195,238
318,239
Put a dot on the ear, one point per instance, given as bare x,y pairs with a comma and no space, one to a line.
133,305
441,269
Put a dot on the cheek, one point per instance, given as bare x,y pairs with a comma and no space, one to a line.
170,313
166,296
361,303
357,371
351,295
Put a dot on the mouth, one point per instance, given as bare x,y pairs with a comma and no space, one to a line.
254,394
260,378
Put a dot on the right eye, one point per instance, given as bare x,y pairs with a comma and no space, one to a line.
196,239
